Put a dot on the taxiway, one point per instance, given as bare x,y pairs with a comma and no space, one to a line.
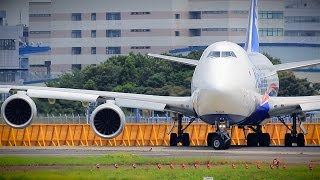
299,155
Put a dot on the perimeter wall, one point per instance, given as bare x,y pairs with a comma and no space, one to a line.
134,134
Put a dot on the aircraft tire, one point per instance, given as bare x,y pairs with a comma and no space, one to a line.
264,140
173,139
227,144
210,139
288,140
300,140
218,142
252,140
185,139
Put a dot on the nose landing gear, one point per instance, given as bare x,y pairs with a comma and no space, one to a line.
220,139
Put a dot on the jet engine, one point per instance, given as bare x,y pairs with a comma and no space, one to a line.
107,120
18,110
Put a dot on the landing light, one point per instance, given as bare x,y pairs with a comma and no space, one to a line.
85,104
52,101
222,126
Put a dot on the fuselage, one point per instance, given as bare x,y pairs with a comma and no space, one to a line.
229,83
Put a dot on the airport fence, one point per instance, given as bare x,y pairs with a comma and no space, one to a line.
84,119
137,134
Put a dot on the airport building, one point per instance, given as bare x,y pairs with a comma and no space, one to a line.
81,32
14,51
13,67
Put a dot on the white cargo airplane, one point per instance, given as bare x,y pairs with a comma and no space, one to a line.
230,86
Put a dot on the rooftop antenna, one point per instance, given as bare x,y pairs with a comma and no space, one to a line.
20,18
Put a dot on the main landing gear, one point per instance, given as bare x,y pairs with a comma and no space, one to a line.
180,137
294,136
220,139
258,138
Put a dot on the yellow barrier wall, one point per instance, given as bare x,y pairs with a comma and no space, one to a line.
134,135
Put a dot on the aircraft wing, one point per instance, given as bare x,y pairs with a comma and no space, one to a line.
176,59
158,103
296,65
280,106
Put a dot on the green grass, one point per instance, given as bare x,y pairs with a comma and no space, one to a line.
151,172
100,159
84,168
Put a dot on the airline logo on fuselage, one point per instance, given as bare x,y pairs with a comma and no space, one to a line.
265,99
272,91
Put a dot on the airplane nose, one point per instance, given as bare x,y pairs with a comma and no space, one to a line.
228,89
224,100
224,74
221,87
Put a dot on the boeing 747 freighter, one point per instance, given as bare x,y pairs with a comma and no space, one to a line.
231,85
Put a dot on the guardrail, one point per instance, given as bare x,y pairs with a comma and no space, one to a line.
135,134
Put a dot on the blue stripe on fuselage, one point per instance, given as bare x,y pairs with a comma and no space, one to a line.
258,116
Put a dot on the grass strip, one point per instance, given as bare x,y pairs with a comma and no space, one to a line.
103,160
152,172
84,167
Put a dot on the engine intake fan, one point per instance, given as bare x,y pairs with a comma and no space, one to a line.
107,120
18,110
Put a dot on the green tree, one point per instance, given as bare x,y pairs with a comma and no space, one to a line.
126,88
195,54
316,87
90,84
292,86
272,59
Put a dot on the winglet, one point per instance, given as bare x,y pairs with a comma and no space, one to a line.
252,39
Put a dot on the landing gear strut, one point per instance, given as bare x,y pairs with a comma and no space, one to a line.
294,136
258,138
180,137
220,139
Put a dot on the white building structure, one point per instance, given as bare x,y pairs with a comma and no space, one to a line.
82,32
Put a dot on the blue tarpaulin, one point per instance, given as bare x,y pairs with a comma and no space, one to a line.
32,49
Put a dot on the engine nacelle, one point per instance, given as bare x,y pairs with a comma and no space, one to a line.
107,120
18,110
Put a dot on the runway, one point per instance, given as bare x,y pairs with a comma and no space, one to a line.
293,155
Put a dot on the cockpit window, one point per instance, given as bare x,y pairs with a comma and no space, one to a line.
228,54
214,54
